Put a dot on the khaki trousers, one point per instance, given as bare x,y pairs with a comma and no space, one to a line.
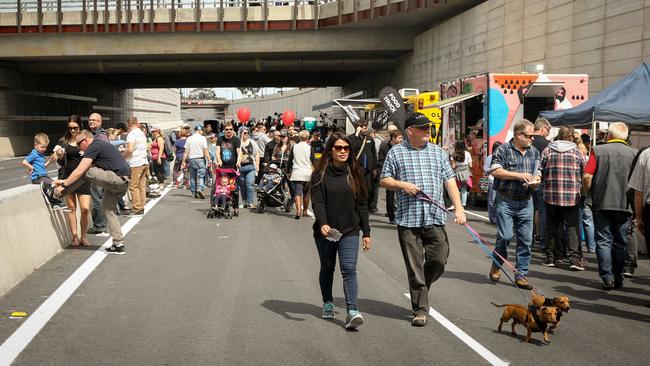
114,188
138,187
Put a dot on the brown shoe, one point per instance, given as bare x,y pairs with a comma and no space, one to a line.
523,284
419,320
495,273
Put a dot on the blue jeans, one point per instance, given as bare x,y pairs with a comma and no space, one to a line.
491,197
348,251
463,194
96,211
197,174
540,207
515,215
246,183
587,227
611,241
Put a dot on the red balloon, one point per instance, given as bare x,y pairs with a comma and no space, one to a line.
243,114
288,117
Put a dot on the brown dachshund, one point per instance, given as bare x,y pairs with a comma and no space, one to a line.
561,303
535,319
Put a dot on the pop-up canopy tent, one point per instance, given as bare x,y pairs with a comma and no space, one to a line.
627,100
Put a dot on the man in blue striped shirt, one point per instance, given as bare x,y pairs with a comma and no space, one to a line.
515,167
412,167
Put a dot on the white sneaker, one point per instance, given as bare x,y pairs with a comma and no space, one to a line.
310,214
103,234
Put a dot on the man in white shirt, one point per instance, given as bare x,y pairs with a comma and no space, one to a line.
196,153
136,156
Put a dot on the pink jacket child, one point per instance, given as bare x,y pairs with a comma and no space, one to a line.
222,191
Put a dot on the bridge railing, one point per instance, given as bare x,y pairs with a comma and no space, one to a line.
109,16
12,6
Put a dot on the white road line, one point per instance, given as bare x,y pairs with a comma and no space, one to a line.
18,341
471,342
477,215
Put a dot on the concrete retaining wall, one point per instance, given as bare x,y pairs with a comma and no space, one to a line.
603,38
31,234
300,101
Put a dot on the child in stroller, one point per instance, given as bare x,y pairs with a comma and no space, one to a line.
271,191
223,202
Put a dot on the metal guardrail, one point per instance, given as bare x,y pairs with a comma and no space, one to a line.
108,16
25,6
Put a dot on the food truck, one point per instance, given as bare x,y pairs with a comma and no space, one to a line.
483,109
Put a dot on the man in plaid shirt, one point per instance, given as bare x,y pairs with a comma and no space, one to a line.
515,167
562,165
411,168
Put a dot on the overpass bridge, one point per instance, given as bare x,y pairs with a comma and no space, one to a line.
167,43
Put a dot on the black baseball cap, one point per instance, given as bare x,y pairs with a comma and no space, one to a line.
416,119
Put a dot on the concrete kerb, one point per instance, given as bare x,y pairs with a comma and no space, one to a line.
31,234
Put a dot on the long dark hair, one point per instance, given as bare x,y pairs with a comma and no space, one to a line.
355,177
73,118
459,151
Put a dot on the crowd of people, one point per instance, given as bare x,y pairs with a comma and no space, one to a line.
556,194
560,194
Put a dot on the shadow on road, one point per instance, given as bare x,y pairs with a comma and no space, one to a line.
297,311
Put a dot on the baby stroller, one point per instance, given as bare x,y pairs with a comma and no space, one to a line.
271,191
224,197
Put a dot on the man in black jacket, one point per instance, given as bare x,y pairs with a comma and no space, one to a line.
363,149
395,138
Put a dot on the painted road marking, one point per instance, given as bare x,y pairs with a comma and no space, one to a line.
18,341
477,215
471,342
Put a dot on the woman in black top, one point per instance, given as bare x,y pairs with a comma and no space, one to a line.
69,158
339,200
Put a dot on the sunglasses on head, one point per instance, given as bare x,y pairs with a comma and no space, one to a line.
342,147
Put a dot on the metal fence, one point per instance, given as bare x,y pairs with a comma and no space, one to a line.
12,6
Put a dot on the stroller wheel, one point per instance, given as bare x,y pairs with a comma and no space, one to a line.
260,206
235,213
287,205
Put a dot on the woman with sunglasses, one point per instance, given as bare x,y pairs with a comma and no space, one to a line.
69,159
250,160
340,203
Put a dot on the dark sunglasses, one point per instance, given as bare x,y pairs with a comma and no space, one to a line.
342,148
228,129
526,135
73,128
81,141
421,128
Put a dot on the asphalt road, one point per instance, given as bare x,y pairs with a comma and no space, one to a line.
245,291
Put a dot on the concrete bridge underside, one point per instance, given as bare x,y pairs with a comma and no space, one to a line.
347,39
321,58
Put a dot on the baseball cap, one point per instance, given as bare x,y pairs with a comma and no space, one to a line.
155,128
416,119
185,125
198,127
272,128
283,133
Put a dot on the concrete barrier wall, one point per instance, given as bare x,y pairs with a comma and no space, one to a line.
300,101
31,234
603,38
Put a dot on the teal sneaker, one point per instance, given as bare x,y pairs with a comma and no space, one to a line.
328,311
353,320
